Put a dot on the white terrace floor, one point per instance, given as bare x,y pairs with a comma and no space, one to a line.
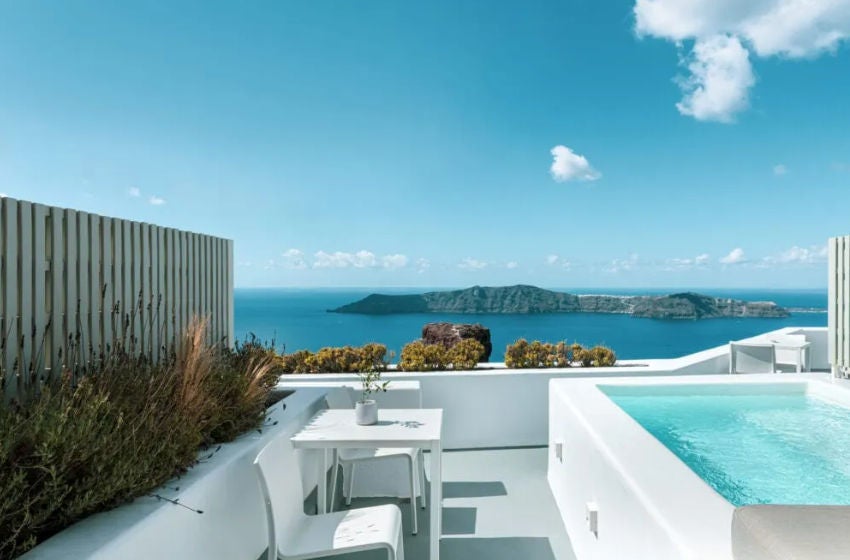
496,506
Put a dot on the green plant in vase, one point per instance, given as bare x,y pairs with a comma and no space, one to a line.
366,408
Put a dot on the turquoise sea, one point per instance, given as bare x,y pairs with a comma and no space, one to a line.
298,318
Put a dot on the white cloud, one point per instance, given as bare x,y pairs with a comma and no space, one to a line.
135,192
471,264
511,265
556,260
780,169
339,259
800,255
244,264
722,29
422,265
360,259
3,195
623,265
719,82
570,166
700,261
394,261
735,256
156,201
293,259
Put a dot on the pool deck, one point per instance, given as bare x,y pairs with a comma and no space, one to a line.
496,506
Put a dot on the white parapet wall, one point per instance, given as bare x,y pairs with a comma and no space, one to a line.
70,275
501,407
224,487
648,504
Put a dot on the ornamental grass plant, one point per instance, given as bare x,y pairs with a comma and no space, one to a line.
85,443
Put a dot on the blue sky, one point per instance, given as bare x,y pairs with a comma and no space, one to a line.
446,143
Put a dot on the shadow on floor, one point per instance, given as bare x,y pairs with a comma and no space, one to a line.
457,520
470,548
474,489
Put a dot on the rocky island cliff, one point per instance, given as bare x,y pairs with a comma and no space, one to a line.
530,299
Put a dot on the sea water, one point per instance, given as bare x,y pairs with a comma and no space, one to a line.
756,448
298,318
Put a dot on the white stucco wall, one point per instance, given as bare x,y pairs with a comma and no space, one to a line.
233,523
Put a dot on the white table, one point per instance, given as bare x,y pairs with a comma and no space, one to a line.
801,349
415,427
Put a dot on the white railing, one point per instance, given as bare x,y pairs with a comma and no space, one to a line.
74,279
839,305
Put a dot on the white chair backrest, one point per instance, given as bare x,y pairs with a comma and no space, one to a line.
752,357
279,477
339,397
794,339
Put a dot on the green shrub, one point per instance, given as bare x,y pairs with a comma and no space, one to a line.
523,354
346,359
295,362
418,356
465,354
87,443
602,356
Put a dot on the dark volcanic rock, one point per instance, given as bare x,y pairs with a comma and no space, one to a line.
449,334
529,299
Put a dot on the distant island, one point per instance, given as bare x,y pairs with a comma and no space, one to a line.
530,299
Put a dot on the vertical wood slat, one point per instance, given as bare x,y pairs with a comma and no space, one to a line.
72,327
146,308
844,316
202,279
10,293
58,301
95,284
25,290
107,280
160,314
84,254
839,305
228,267
170,275
127,296
40,296
68,278
138,295
832,299
186,280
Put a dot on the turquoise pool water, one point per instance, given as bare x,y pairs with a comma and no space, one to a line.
754,448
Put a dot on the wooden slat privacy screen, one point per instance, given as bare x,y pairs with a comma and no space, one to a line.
65,273
839,305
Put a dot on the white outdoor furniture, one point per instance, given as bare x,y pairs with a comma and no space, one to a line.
793,349
389,476
293,535
400,428
785,349
758,357
349,458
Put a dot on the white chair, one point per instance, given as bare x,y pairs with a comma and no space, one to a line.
752,357
294,535
793,350
349,459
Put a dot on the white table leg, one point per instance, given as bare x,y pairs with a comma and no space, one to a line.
322,484
436,500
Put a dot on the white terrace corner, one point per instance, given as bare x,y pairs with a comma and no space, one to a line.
531,464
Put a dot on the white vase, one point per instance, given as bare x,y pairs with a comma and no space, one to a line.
366,412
